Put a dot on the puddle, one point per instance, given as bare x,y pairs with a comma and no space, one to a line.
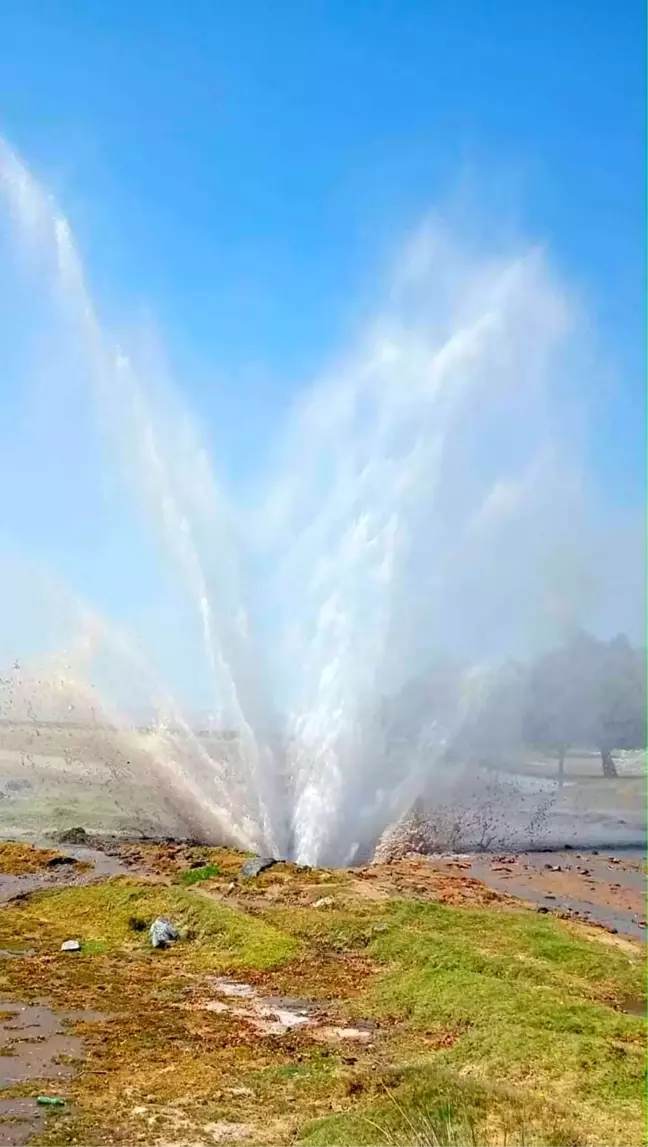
32,1042
634,1006
276,1015
63,874
34,1045
19,1120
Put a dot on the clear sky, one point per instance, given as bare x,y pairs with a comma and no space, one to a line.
245,169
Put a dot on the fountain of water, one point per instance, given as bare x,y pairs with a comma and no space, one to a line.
418,507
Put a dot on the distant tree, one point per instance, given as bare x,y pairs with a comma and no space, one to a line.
618,709
587,693
556,699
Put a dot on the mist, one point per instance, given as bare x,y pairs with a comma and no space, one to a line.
428,504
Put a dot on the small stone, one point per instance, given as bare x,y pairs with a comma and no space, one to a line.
163,933
230,887
71,946
257,864
76,835
324,902
57,861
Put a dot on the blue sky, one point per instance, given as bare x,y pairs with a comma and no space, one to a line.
245,169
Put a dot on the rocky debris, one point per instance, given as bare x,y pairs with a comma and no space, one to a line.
71,946
257,864
163,933
76,835
58,861
412,833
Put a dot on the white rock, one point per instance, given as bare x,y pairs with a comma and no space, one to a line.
325,902
71,946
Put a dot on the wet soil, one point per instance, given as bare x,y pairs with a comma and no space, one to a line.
601,887
276,1015
19,1120
35,1044
95,864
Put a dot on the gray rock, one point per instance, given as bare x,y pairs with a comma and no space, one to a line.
257,864
76,835
71,946
163,933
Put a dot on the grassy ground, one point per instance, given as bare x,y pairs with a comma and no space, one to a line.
18,859
495,1025
21,859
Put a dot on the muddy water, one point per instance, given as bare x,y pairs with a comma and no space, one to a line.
19,1120
33,1040
605,887
63,875
34,1045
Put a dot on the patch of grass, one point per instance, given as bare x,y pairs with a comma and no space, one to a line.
531,1002
23,859
196,875
222,938
340,928
528,1000
424,1106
